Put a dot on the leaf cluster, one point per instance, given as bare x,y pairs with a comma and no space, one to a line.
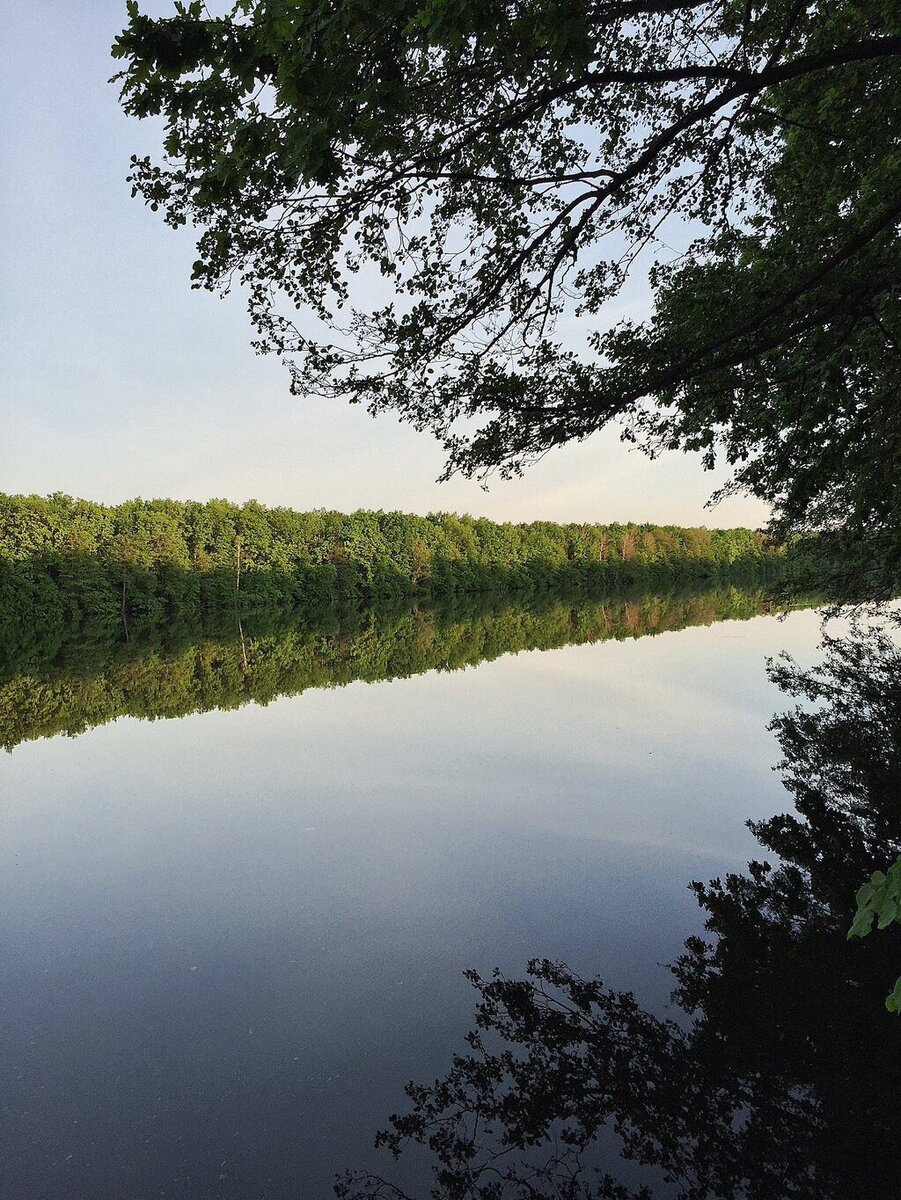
879,900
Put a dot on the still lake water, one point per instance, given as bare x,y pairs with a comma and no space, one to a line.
229,940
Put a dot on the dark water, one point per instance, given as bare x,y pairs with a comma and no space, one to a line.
230,939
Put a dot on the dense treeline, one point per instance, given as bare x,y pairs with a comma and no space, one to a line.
150,562
88,685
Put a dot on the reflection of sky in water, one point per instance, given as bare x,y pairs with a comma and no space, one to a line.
229,940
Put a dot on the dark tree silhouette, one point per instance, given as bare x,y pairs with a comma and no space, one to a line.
413,192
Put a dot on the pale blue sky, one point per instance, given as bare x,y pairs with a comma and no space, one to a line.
118,380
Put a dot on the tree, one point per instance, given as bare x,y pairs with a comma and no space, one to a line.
414,191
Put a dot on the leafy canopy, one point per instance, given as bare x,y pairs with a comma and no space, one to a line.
435,206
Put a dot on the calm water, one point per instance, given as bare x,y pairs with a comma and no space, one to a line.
229,939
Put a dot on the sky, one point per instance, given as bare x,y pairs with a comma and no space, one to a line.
118,380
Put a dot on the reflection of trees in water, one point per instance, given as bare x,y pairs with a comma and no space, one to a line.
783,1077
72,686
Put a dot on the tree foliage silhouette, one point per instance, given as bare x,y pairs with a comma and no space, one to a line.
415,191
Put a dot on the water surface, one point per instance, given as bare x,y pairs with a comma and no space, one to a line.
229,939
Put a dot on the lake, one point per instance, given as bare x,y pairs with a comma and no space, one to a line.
230,939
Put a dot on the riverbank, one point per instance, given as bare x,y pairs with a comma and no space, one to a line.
152,563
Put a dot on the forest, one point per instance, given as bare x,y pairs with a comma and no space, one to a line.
148,563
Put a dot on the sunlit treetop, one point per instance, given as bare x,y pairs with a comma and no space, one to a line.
434,206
